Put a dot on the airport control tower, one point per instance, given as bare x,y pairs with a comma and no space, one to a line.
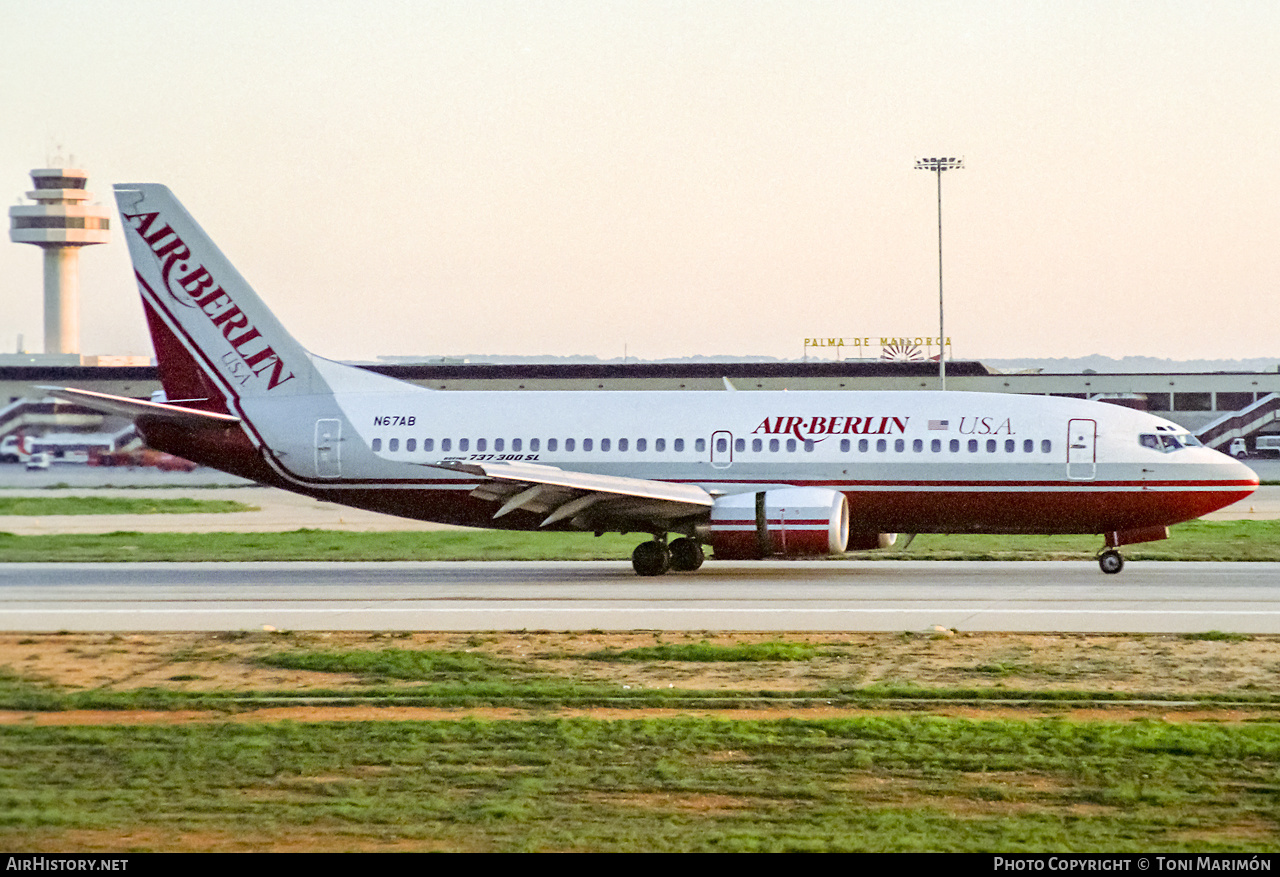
60,223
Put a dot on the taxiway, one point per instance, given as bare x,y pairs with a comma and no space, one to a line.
798,595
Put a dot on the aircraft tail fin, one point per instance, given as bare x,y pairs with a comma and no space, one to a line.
216,342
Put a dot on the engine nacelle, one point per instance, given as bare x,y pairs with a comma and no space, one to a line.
788,522
870,541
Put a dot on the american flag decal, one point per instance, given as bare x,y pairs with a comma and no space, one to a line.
937,424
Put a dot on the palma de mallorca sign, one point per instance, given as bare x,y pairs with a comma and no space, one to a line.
905,348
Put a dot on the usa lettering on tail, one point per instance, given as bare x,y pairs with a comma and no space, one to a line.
749,474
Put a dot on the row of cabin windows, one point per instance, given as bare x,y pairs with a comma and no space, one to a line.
953,446
516,445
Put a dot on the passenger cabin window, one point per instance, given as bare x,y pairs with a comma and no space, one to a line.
376,445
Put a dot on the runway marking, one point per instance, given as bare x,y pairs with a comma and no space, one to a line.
661,609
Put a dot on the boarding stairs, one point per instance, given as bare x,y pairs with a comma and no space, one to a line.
1241,424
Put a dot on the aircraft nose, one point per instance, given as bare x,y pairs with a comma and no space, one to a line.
1233,470
1246,472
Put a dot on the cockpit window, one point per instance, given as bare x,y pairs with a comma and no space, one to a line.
1168,443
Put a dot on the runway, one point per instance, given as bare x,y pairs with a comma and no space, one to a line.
803,595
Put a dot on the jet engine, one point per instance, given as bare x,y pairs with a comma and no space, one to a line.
870,541
788,522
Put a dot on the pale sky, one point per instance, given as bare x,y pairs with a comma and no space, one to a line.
674,178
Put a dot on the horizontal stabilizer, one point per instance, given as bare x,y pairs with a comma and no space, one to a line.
123,406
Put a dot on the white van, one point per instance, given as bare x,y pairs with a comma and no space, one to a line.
1238,449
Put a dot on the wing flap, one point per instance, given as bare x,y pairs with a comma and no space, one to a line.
563,494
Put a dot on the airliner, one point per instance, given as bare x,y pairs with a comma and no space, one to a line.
749,474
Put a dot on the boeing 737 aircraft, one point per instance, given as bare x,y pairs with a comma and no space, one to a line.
751,474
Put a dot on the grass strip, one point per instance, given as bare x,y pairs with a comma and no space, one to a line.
116,505
1193,541
653,784
771,651
418,664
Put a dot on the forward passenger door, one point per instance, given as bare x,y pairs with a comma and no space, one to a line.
1082,449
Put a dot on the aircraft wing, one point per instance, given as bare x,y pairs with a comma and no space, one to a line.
605,501
123,406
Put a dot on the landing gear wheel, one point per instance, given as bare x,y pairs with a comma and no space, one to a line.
686,555
651,559
1110,562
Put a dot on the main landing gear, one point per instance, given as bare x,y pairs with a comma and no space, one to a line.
1110,561
657,557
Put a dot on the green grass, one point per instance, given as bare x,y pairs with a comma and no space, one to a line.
416,664
1194,540
1218,636
645,784
1197,540
316,545
115,505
